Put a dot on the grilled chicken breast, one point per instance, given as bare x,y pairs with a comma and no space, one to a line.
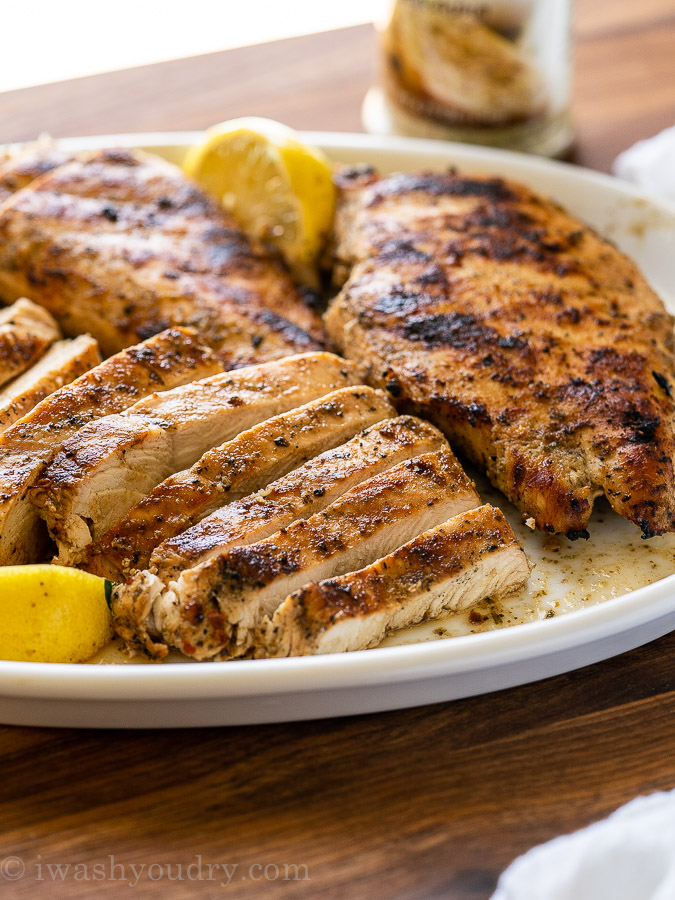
111,464
17,170
173,357
26,331
533,343
121,245
300,494
216,607
231,471
62,363
452,567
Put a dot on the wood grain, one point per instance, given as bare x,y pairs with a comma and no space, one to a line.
624,88
431,802
316,81
425,803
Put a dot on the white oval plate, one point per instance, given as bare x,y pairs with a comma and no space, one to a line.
167,696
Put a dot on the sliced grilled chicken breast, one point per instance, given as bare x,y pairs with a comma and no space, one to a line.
62,363
452,567
231,471
120,244
298,495
111,464
26,331
537,346
26,447
216,607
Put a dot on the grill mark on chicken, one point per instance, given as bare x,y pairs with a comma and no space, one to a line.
452,567
26,331
463,332
213,609
303,492
173,357
19,169
529,339
232,471
111,464
433,185
300,494
120,244
62,363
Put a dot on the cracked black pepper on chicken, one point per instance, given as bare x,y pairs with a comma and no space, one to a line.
120,244
536,345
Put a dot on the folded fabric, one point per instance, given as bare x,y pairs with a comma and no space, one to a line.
650,164
628,856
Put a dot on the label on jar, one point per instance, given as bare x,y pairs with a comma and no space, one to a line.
461,62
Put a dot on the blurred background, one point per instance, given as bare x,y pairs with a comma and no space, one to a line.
88,68
74,38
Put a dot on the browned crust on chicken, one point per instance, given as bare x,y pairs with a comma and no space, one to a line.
536,345
216,606
110,464
173,357
26,331
62,363
19,168
232,471
300,494
450,568
120,244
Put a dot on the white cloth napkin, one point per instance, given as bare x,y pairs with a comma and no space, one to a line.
650,164
628,856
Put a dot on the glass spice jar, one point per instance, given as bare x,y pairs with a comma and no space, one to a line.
493,73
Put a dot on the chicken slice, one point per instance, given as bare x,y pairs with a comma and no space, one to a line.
217,606
120,244
298,495
472,556
173,357
111,464
26,331
62,363
231,471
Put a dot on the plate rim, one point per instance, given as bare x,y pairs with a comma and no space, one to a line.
415,661
373,142
420,660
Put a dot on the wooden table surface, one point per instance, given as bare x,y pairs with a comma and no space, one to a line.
430,802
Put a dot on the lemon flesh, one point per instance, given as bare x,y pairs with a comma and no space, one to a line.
52,614
280,190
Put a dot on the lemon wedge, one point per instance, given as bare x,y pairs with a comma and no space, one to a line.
52,614
280,190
